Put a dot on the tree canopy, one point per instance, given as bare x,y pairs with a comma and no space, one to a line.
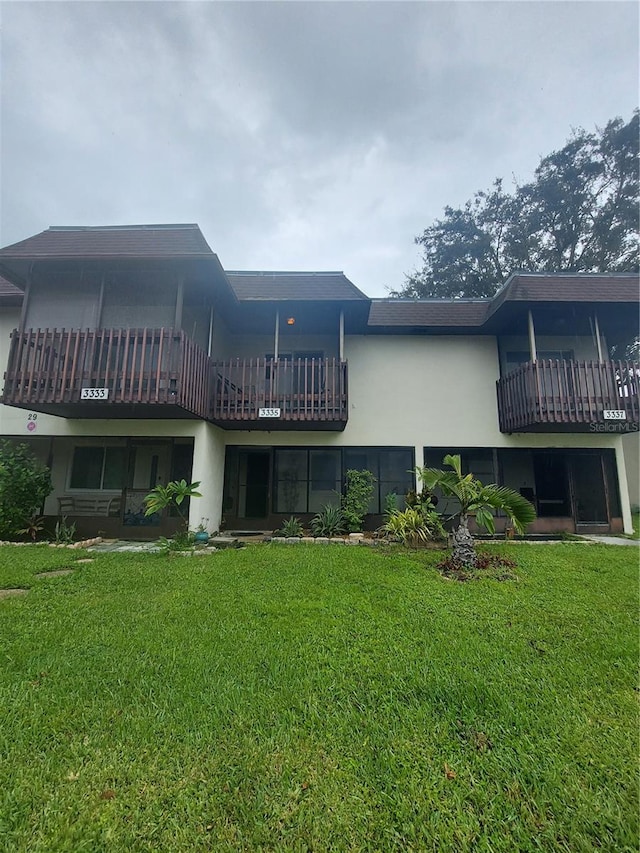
578,214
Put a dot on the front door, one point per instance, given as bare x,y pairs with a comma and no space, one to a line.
149,466
255,467
552,485
588,489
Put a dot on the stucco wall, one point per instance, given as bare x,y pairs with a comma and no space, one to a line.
631,445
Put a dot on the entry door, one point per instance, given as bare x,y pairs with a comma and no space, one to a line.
589,494
256,467
149,466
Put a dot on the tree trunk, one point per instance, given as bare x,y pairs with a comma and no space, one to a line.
463,548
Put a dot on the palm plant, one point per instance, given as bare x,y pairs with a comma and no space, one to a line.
478,500
171,495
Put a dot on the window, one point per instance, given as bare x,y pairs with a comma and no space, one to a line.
307,480
324,478
473,460
291,481
99,468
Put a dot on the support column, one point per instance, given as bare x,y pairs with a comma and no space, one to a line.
341,349
210,339
419,460
532,338
277,336
25,299
100,303
208,468
624,487
177,322
598,341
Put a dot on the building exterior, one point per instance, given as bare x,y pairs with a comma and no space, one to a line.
133,358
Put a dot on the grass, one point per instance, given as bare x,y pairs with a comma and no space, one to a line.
317,699
635,517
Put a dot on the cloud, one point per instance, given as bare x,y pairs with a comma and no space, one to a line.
307,135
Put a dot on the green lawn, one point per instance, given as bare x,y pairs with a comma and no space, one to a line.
319,699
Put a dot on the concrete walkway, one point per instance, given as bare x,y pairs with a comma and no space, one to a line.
611,540
122,545
217,542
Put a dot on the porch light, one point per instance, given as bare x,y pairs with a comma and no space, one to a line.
291,321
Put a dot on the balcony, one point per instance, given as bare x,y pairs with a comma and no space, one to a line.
280,394
570,396
108,373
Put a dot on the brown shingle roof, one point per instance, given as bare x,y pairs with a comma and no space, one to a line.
568,287
138,241
427,312
292,286
9,294
532,288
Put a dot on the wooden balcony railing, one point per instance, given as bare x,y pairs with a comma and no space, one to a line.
269,393
158,371
568,395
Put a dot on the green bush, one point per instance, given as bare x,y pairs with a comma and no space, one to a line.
355,503
24,484
328,522
413,525
64,533
291,527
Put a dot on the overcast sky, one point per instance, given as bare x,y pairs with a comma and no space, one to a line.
298,135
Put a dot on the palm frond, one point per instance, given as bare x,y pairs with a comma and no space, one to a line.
520,511
447,481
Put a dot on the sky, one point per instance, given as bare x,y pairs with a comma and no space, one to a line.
298,135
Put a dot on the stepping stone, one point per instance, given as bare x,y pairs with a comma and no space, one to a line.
10,593
58,573
86,560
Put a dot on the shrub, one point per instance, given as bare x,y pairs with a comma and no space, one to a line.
487,566
24,484
64,533
33,527
412,526
390,503
355,503
328,522
183,540
291,527
406,526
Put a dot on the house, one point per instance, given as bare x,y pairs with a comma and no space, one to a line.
134,358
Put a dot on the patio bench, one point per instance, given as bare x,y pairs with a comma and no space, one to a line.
89,506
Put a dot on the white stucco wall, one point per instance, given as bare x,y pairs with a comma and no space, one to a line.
631,445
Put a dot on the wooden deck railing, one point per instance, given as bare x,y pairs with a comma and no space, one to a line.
286,390
159,367
553,392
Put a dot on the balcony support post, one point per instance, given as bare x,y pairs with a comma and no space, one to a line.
100,306
25,299
276,341
177,324
532,337
598,340
210,338
341,335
